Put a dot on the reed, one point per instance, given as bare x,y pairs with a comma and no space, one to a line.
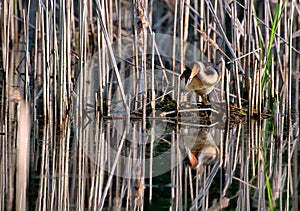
46,52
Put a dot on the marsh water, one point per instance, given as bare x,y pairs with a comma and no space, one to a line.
117,164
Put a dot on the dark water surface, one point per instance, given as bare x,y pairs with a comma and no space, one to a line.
116,165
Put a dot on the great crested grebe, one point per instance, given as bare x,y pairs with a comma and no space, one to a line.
201,79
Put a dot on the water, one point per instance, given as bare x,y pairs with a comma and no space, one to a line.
115,164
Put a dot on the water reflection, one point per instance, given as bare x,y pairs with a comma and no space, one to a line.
201,148
117,165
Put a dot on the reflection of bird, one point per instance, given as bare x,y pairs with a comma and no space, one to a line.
202,78
204,150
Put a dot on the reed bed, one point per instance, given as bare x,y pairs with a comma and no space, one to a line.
89,71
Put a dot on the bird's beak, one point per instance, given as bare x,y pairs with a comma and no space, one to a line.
193,74
189,80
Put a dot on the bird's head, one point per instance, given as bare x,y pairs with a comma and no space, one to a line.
194,72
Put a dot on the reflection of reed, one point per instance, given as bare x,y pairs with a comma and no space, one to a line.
203,155
69,178
258,161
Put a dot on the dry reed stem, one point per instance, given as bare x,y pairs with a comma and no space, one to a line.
56,37
108,44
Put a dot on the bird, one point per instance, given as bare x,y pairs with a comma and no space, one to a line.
201,150
202,78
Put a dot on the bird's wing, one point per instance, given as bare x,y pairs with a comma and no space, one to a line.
208,76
